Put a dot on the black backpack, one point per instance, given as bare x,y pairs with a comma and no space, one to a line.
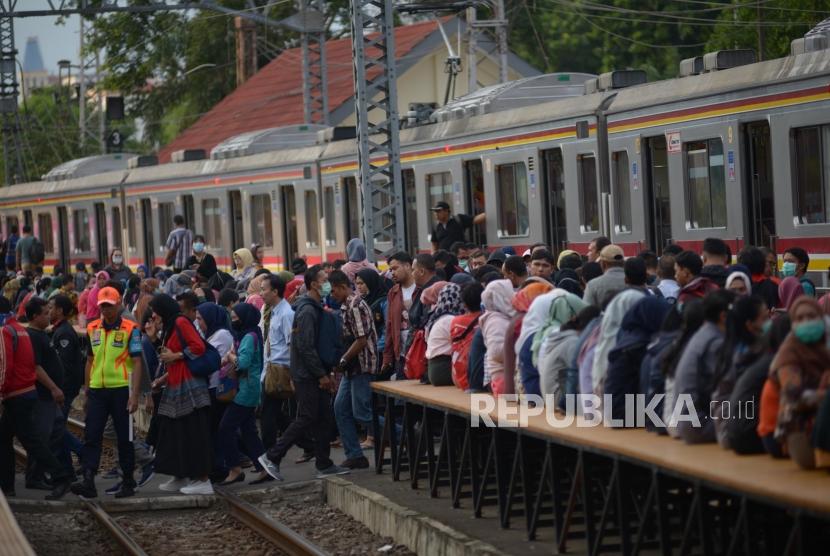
37,252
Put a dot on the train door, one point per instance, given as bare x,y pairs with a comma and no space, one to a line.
189,212
410,211
27,218
760,201
101,233
235,203
289,224
351,208
553,184
149,241
474,192
63,237
658,211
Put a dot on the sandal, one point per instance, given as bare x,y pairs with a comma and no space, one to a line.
368,444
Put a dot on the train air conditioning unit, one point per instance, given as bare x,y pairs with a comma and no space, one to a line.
691,66
142,161
817,38
188,155
727,59
618,79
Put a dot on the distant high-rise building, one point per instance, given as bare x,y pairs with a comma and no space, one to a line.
34,74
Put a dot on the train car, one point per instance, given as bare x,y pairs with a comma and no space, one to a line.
730,149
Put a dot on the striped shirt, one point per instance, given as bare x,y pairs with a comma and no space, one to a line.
180,239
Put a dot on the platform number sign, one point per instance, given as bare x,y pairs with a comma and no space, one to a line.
115,141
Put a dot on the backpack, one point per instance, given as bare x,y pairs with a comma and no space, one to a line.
462,334
37,252
330,339
416,356
200,366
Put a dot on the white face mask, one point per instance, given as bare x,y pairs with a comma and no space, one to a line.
117,260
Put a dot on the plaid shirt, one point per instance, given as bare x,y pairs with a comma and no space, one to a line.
358,323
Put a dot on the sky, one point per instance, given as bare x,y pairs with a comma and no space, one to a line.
57,42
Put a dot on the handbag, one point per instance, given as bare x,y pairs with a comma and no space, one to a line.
415,365
228,387
204,365
277,382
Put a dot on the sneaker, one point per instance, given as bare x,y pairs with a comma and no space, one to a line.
355,463
126,490
147,473
114,473
114,488
270,467
331,471
59,491
197,487
174,485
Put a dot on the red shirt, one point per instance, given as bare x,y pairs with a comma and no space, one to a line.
177,371
20,376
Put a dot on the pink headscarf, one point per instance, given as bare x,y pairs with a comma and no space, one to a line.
92,309
789,290
430,295
255,300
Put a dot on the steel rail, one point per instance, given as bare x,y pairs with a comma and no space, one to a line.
283,537
124,540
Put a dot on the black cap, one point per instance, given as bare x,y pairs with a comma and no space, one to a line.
441,205
497,255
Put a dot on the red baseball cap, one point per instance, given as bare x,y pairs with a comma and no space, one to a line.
108,296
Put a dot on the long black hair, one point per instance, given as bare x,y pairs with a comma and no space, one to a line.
693,317
744,310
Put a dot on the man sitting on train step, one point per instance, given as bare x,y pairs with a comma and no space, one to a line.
450,230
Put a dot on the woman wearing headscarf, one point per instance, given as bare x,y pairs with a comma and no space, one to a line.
789,290
523,301
244,268
356,252
147,290
141,271
183,448
10,290
239,416
253,296
498,303
133,292
372,287
117,270
259,256
800,374
739,283
92,310
439,341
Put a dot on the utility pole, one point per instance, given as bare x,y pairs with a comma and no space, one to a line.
15,170
477,26
378,125
315,70
90,62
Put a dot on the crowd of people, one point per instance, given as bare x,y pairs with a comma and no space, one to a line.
237,368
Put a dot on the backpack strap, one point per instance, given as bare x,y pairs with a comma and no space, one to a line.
470,327
13,334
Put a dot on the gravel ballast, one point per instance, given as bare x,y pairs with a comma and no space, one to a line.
65,534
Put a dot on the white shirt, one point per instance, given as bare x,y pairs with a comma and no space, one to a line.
222,340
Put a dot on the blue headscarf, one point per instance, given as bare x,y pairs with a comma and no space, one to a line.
215,317
356,250
249,317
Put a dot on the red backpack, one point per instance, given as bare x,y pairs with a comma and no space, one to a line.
462,330
415,365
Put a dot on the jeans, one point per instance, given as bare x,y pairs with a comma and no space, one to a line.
353,406
17,421
49,424
71,443
243,419
101,404
314,418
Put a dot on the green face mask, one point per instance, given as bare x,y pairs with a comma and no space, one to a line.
766,327
788,269
326,291
810,331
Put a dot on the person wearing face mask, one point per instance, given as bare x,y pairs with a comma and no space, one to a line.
117,270
798,378
313,385
796,262
199,252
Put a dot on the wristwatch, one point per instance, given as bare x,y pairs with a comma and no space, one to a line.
343,362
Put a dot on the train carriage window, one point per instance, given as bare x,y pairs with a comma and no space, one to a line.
811,149
588,192
166,213
705,184
12,223
116,227
622,192
439,186
81,228
131,232
212,222
312,224
262,227
330,215
511,183
44,232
